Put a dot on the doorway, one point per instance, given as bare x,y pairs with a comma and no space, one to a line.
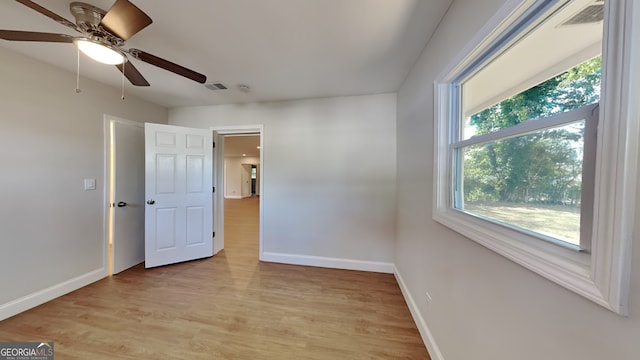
124,152
158,181
218,182
241,209
254,179
231,189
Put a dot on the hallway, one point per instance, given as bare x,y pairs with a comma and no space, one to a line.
242,229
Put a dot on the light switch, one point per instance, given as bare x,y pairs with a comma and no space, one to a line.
89,184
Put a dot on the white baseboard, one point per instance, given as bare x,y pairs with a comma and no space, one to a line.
40,297
427,337
233,197
335,263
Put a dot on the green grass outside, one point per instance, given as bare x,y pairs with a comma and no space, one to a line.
561,222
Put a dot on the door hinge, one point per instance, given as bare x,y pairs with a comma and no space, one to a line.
214,189
214,144
214,234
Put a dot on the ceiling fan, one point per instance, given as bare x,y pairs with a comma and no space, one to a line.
103,37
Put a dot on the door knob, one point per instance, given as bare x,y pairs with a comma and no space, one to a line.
122,204
151,201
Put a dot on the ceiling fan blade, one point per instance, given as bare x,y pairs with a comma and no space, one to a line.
168,65
131,73
14,35
48,13
125,19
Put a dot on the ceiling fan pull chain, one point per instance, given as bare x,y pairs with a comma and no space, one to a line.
78,72
123,67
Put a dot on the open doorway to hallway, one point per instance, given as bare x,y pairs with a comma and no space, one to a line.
241,189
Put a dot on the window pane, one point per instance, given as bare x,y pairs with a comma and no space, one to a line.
531,182
570,90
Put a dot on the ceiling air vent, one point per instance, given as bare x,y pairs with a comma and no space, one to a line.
216,86
590,14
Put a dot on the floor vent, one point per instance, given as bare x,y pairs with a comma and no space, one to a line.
216,86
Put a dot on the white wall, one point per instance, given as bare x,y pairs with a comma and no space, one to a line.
52,138
485,307
329,173
233,175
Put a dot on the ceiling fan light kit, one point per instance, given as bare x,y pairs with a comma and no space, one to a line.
99,52
103,37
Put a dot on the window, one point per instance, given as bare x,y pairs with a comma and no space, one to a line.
528,159
520,162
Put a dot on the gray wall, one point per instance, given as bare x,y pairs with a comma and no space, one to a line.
485,306
52,138
329,172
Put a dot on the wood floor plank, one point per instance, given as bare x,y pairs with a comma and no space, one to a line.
230,306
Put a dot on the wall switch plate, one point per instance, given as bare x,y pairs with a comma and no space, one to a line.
89,184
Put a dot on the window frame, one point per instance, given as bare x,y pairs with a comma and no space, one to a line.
603,274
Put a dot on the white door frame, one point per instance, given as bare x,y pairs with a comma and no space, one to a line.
218,241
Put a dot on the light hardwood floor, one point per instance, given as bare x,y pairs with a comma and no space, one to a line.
230,306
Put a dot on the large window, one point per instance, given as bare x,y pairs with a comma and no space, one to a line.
528,159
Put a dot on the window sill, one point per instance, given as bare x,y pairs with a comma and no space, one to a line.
568,268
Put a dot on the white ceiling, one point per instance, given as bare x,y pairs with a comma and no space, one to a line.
282,49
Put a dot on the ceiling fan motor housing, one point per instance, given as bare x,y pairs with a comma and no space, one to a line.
87,16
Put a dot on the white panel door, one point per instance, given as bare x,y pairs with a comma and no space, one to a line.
178,188
128,194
